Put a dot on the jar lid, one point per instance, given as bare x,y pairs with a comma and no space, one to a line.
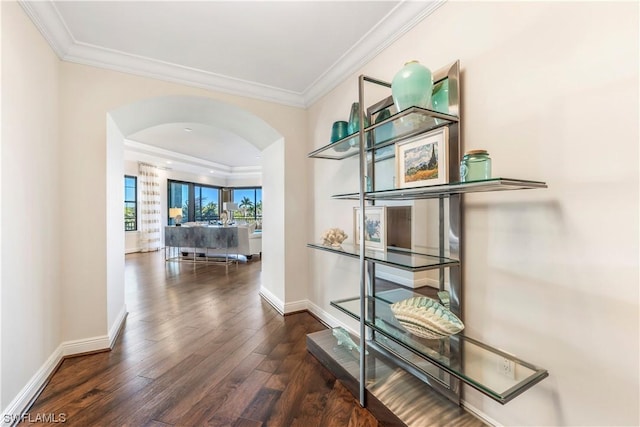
474,152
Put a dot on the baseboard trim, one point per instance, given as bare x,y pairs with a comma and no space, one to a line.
269,297
117,326
11,415
296,306
479,414
405,281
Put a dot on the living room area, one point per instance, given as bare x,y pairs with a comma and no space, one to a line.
182,200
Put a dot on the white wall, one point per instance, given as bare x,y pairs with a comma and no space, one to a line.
1,133
550,89
30,199
273,204
114,194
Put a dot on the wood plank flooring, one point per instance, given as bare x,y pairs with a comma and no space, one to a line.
200,347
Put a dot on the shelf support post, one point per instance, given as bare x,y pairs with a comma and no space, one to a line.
363,272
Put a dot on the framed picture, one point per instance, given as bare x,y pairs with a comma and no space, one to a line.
423,160
375,233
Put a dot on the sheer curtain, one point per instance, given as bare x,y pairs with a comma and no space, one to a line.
149,181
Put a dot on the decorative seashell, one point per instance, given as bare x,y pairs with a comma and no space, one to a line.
333,237
426,318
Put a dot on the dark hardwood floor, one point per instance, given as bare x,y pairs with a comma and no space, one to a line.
200,347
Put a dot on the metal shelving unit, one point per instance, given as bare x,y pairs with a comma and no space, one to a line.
446,362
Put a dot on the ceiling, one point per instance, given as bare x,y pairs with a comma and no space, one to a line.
288,52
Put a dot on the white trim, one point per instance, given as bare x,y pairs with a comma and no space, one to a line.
327,318
292,307
88,345
33,387
31,390
396,23
117,326
403,17
210,168
479,414
48,21
405,281
272,299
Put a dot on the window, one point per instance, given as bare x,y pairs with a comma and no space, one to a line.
249,202
130,203
207,203
198,202
203,203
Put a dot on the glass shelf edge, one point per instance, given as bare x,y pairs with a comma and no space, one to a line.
443,262
451,119
493,184
502,398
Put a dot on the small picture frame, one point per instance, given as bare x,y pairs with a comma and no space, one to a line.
422,161
375,236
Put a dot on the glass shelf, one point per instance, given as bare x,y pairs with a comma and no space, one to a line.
406,123
477,364
399,258
435,191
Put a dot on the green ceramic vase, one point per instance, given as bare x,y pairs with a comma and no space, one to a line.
412,86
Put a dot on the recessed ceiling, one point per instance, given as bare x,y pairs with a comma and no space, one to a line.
213,144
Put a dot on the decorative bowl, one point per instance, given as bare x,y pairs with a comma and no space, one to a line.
426,318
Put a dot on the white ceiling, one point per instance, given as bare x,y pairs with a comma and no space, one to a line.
289,52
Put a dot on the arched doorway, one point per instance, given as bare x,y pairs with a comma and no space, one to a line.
147,113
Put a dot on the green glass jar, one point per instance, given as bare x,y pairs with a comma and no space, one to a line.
475,166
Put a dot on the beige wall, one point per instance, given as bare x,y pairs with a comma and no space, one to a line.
59,150
550,89
31,210
87,95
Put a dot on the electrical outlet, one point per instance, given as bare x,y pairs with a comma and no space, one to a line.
507,367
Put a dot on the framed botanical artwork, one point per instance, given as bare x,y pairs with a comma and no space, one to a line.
375,233
423,160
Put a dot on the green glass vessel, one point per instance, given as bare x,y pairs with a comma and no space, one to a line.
412,86
475,166
354,119
384,132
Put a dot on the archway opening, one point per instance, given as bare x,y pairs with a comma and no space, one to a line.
144,114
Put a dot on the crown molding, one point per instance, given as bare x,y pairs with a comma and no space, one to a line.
394,25
397,22
86,54
196,165
48,21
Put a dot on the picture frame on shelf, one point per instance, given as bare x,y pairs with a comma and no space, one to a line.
422,161
375,236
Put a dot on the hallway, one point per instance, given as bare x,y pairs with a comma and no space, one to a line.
200,348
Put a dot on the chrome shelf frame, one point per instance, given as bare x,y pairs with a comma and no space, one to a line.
444,364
